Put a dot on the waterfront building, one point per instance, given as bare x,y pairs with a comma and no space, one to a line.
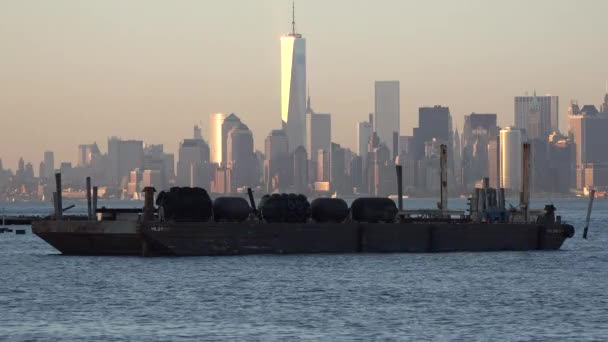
222,181
588,128
153,178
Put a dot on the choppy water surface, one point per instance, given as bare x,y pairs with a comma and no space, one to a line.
525,296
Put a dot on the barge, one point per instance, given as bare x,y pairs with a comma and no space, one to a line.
186,222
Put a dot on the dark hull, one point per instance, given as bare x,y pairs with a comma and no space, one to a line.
208,239
94,238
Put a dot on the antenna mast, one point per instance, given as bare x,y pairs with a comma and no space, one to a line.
293,17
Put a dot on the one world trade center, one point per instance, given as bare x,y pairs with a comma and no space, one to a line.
293,87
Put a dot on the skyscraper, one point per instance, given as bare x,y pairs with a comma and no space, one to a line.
300,170
193,165
434,123
240,156
337,169
588,130
87,153
124,156
197,134
230,122
388,111
155,159
364,132
545,113
510,159
493,163
604,106
479,130
215,137
277,168
293,87
318,134
49,164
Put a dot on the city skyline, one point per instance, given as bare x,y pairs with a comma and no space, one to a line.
58,71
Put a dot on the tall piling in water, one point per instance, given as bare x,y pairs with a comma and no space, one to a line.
95,196
443,165
589,208
399,169
89,199
58,199
525,186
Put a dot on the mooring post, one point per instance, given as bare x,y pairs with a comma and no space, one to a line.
525,191
95,195
443,164
149,203
59,212
54,203
589,208
89,200
399,169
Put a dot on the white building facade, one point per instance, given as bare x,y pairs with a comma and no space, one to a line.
215,137
510,158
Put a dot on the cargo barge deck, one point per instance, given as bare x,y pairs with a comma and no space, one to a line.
186,222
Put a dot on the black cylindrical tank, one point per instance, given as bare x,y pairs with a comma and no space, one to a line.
329,210
373,209
231,209
284,208
185,204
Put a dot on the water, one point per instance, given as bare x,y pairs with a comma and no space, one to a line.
525,296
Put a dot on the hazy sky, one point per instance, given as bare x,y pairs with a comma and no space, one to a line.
75,71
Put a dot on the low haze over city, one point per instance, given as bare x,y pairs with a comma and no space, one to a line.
318,97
